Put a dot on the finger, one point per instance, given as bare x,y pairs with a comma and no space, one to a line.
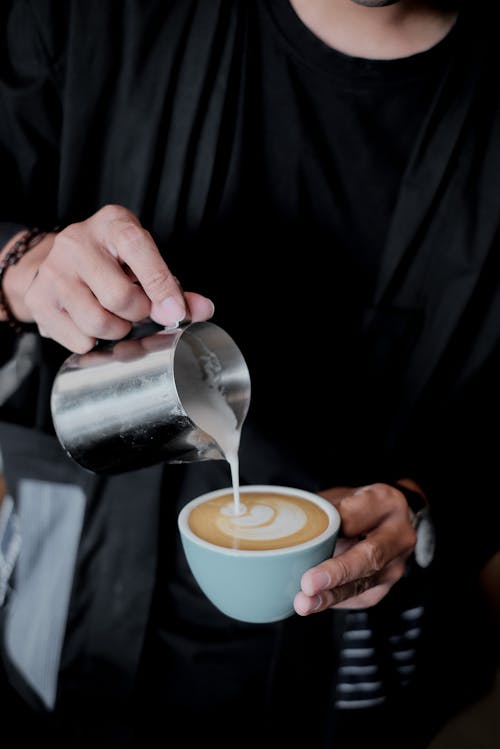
360,593
121,233
53,320
76,262
200,308
366,507
364,600
366,590
73,295
305,605
60,327
78,274
363,559
110,282
89,316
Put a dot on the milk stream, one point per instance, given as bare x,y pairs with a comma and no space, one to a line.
209,409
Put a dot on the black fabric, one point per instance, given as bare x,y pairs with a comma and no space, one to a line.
33,455
343,215
8,231
120,517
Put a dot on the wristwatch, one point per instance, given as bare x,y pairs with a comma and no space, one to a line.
421,521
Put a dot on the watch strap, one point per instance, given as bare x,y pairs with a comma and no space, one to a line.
416,502
421,521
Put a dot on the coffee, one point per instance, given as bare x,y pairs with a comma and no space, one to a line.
265,521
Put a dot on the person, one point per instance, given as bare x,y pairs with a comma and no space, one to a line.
324,172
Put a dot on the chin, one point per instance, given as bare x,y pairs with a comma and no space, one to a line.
375,3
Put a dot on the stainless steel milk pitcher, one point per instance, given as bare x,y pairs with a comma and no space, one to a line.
131,403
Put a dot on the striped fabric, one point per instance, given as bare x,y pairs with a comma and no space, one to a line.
50,518
365,673
10,544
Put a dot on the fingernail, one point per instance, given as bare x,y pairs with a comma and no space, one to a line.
172,311
212,305
314,604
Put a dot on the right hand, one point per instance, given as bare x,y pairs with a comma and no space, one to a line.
94,279
371,553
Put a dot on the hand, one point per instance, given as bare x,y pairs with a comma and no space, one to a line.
94,279
369,558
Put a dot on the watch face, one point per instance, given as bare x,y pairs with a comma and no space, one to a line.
426,540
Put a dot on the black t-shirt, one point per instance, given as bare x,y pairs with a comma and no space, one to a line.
332,136
292,254
336,136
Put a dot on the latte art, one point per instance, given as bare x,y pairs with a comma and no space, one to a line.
265,521
276,518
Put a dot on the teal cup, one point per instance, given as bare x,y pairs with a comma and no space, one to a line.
256,585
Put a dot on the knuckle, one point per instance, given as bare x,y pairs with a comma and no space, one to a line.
113,212
398,499
102,324
59,284
68,240
380,488
118,298
98,322
349,518
343,507
83,345
158,283
374,556
45,288
342,571
130,234
400,502
114,329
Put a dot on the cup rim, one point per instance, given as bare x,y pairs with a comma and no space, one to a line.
331,511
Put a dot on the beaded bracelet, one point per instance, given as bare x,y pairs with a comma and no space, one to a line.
25,243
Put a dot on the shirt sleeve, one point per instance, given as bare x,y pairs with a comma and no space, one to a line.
30,117
458,459
31,84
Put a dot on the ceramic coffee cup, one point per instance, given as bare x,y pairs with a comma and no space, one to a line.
250,565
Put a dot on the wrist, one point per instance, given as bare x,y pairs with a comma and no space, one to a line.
420,519
19,274
415,496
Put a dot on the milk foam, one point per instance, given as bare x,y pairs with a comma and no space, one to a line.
268,520
274,518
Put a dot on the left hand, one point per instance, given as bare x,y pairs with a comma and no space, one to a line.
377,538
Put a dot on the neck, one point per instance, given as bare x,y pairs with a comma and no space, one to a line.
400,30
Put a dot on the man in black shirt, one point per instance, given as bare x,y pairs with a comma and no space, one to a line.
327,174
